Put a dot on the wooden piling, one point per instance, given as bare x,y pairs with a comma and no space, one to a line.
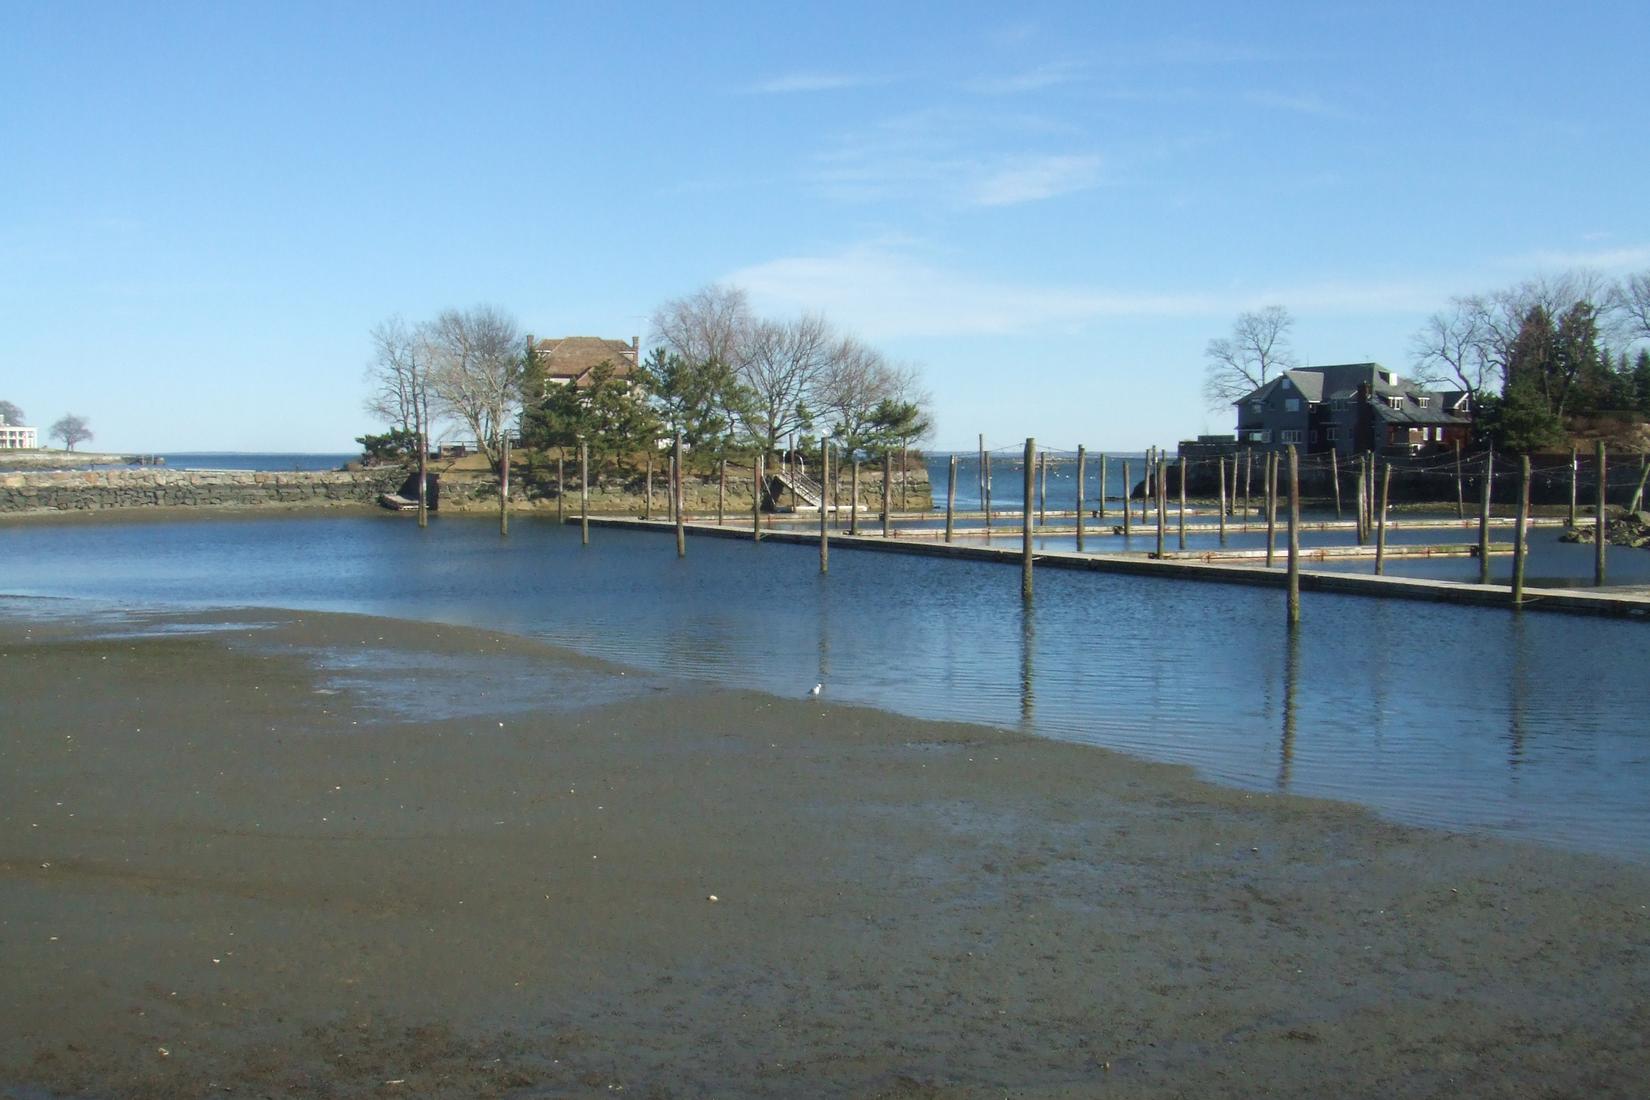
647,501
722,491
1128,513
1248,478
1484,518
951,499
1271,475
981,471
678,493
853,505
504,484
888,494
561,488
584,492
1460,489
1294,585
1335,478
987,501
1082,472
1380,531
756,499
824,512
1220,478
1042,490
1600,541
1638,490
1181,468
1519,526
1157,490
1025,526
1575,456
1363,537
1101,503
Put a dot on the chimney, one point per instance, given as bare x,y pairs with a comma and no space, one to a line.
636,349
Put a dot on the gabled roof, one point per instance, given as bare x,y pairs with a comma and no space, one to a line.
1340,382
572,358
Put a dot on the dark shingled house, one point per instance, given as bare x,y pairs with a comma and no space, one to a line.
1348,408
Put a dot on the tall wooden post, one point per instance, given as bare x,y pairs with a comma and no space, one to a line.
1220,477
1162,517
1082,472
987,493
756,498
721,491
1638,490
1484,493
1600,539
1025,526
1574,462
647,504
561,487
951,499
1518,529
1460,488
1294,585
1271,475
678,493
1248,478
1181,468
584,492
1042,490
1335,477
1146,485
887,494
424,470
853,505
824,513
504,483
1380,531
1101,504
1128,513
670,489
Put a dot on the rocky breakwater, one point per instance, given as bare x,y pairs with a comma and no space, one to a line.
1628,529
156,487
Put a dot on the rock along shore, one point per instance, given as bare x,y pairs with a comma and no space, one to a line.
44,492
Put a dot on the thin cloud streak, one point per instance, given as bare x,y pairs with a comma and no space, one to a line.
889,294
813,82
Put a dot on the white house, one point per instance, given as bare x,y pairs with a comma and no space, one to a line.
14,437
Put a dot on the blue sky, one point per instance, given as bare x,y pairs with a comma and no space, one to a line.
1052,208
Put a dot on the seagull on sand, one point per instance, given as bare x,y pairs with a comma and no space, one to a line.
816,689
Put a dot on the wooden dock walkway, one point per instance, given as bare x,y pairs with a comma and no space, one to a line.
1623,603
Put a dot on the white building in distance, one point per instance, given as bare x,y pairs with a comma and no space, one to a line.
15,437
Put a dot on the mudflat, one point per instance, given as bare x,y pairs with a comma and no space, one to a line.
283,854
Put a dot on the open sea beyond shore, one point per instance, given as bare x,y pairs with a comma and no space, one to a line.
1530,727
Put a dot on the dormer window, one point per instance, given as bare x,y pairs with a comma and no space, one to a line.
1395,402
1421,400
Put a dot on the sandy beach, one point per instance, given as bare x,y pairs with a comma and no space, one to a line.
292,854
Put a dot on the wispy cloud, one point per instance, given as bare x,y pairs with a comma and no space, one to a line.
1034,179
1607,260
1305,103
959,159
887,290
1032,80
813,82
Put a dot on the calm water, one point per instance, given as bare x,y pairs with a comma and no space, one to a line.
1529,726
250,460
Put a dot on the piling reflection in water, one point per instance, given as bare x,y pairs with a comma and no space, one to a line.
1291,686
1028,677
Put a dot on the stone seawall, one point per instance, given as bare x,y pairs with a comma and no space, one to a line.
155,487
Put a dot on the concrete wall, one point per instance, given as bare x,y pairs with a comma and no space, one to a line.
72,491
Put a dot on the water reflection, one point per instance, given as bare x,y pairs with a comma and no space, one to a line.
1291,686
1028,678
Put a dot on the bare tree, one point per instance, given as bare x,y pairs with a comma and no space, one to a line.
10,414
1257,350
1630,308
856,379
400,377
784,365
711,325
71,429
1453,348
476,368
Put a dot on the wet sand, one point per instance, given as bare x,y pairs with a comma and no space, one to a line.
223,873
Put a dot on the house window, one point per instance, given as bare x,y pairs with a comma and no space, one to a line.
1257,435
1332,434
1291,436
1421,400
1395,402
1255,407
1292,404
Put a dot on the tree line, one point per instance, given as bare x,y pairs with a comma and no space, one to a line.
718,376
1532,358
